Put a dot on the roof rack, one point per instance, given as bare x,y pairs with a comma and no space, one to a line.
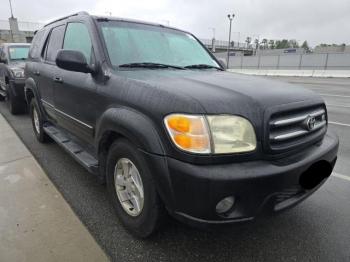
65,17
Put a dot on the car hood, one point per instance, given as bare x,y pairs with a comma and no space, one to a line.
221,92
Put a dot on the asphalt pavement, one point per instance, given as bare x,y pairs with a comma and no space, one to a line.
316,230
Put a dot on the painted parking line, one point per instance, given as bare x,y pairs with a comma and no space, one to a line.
323,94
339,124
344,177
338,105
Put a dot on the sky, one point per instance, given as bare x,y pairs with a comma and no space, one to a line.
317,21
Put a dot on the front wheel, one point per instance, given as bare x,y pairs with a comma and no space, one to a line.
37,122
132,190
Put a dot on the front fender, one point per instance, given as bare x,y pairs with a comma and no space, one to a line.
30,87
131,124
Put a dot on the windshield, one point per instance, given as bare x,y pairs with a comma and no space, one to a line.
18,52
138,43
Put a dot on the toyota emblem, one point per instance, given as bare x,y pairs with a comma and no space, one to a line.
310,123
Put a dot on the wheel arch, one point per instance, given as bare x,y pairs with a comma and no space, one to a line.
126,123
130,124
30,90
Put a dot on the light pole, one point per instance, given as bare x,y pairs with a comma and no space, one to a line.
214,31
230,17
213,39
11,8
11,21
166,21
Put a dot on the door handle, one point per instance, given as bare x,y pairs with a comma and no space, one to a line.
37,73
58,79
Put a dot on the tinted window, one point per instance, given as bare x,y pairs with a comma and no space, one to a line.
137,43
2,53
35,48
77,38
18,52
55,43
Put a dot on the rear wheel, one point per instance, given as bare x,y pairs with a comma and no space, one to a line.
37,122
132,190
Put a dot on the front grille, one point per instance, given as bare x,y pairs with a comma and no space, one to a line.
297,127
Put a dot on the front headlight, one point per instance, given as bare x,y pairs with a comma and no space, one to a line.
231,134
221,134
18,73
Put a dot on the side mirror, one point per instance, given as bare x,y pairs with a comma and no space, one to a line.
72,60
222,62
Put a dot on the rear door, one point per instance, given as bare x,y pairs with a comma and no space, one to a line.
46,70
31,70
75,92
2,71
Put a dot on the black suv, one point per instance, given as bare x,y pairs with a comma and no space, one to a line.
150,111
12,61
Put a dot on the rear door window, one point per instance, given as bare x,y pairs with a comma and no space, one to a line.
55,43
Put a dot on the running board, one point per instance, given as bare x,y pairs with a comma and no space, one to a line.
84,158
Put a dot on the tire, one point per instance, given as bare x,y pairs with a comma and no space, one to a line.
35,114
152,214
16,106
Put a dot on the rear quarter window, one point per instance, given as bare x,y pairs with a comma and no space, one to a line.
35,49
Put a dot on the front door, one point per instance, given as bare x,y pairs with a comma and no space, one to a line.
74,92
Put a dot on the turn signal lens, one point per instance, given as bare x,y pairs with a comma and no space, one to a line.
189,132
179,123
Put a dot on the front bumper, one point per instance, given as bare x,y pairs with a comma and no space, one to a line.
191,192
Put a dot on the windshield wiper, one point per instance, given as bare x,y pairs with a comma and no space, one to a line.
203,66
19,59
150,65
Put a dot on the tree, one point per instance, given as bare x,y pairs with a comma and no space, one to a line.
282,44
264,42
256,41
293,43
272,44
306,47
248,41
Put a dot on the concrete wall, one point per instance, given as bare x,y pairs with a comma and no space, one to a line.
332,49
339,61
12,30
289,62
269,62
